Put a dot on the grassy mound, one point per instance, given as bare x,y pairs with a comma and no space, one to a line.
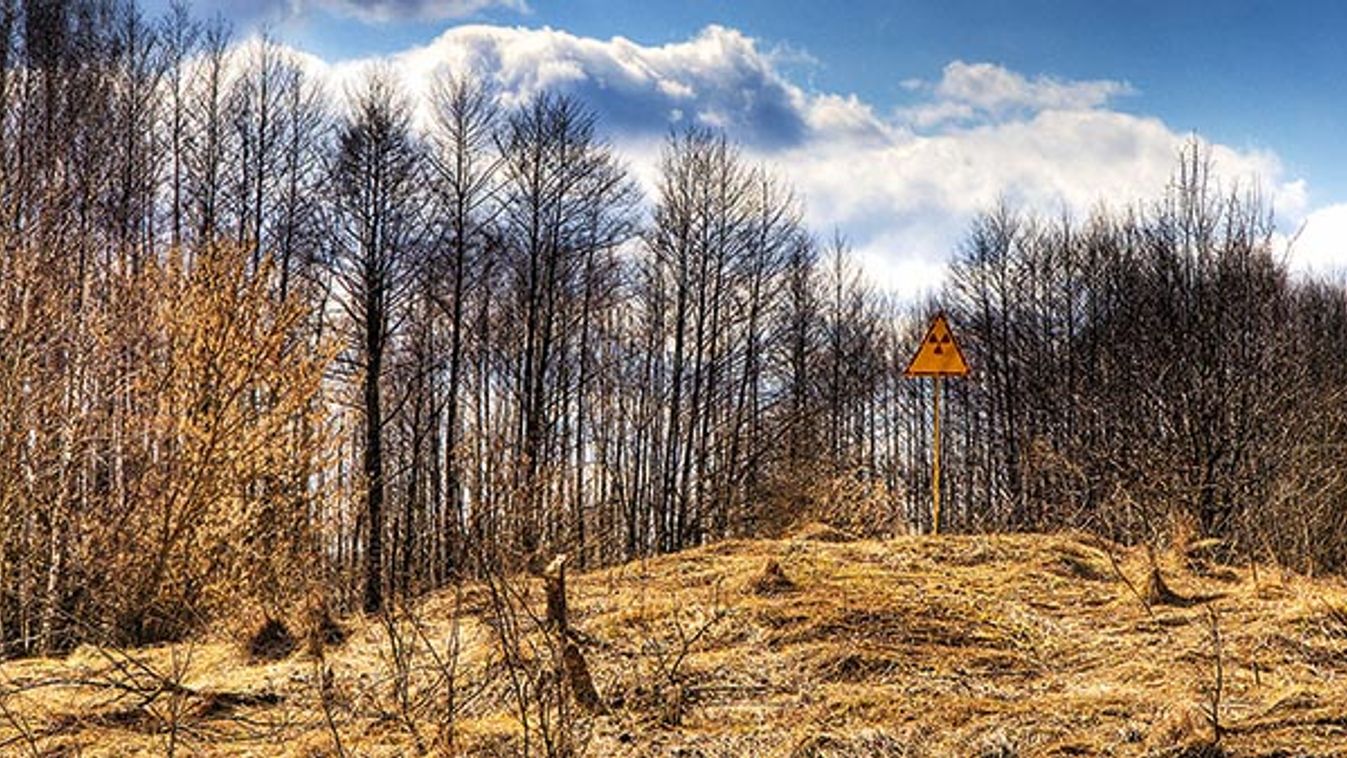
1024,645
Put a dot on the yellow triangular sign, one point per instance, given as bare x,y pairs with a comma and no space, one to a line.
939,354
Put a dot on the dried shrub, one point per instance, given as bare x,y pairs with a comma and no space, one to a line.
322,630
816,532
271,642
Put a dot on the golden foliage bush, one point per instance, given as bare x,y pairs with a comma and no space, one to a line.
188,491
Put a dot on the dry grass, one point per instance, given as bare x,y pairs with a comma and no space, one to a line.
1017,645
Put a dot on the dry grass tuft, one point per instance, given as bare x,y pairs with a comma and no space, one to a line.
857,665
1183,730
1334,619
772,581
875,743
1080,564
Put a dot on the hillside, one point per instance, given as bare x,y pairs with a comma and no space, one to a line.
1020,645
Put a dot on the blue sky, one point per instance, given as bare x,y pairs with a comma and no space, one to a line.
1012,92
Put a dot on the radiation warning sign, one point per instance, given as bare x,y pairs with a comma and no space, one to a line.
937,357
939,353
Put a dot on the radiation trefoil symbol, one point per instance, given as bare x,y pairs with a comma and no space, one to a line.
938,354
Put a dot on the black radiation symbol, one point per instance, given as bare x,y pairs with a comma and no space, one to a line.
939,342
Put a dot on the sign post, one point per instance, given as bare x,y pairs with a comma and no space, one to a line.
938,356
935,456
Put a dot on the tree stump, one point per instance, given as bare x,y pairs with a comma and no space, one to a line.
573,667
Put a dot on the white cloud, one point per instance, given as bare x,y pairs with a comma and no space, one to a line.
383,11
1321,244
930,185
1291,200
903,188
718,78
249,12
991,87
895,261
970,91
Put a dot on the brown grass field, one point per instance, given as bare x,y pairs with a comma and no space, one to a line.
1017,645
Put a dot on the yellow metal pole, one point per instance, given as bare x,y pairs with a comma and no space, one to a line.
935,464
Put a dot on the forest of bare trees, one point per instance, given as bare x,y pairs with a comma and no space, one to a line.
262,343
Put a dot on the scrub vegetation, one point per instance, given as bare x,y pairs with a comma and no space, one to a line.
305,396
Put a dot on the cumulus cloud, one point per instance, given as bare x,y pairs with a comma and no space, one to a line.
381,11
902,186
994,89
1056,159
969,90
719,78
1320,246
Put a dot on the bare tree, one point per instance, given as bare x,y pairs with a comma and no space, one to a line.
379,208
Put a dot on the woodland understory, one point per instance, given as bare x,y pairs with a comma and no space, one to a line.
270,350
